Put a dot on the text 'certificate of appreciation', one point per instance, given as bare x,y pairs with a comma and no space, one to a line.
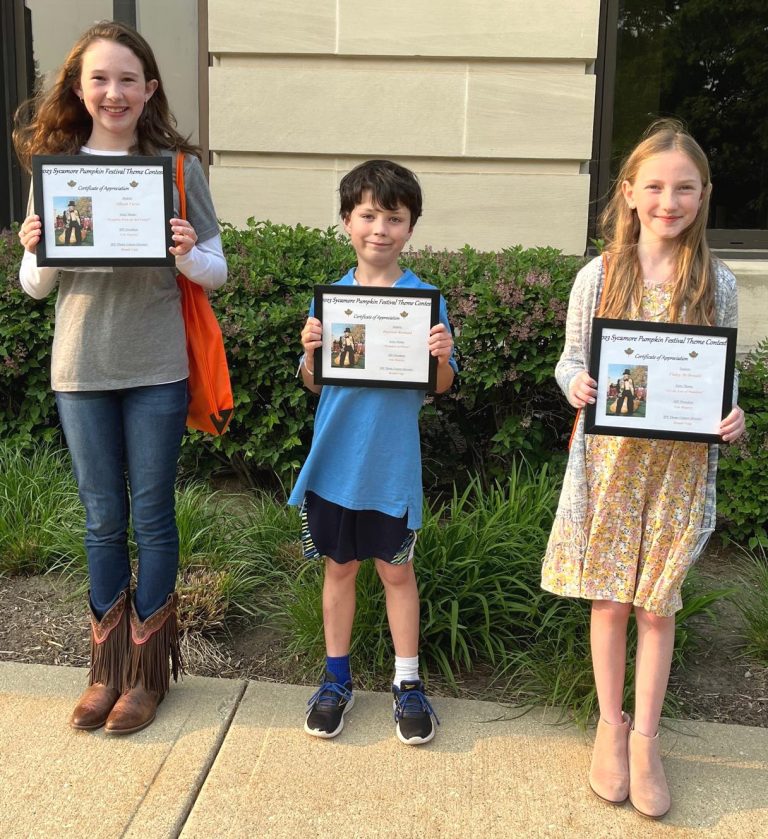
376,336
660,380
102,210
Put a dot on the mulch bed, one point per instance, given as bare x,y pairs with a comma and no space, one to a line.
43,621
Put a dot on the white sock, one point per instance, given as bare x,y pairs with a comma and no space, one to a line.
406,669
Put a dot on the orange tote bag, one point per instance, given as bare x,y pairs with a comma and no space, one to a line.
210,391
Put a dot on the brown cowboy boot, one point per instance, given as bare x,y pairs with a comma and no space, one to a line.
110,640
153,642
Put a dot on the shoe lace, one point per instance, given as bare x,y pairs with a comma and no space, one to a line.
412,702
330,694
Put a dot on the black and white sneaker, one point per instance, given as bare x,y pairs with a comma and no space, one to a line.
413,714
327,707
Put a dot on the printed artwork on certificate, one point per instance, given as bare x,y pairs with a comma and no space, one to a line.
73,219
627,390
348,349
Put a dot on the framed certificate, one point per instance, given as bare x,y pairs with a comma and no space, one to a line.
103,210
376,337
668,381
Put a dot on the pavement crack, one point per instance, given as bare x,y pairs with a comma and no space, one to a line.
205,771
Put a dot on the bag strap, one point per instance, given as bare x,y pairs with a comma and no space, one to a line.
573,430
603,282
180,184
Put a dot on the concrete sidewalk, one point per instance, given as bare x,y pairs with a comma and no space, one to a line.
230,759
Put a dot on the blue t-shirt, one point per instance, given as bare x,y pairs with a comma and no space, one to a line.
366,452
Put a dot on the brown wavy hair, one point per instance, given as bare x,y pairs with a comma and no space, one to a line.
56,122
693,298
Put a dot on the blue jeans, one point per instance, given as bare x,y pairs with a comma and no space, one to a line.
125,449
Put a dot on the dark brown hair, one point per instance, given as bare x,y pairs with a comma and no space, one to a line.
390,185
56,122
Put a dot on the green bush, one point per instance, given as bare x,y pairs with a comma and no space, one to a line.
229,555
234,551
508,310
261,309
40,512
27,409
753,602
554,666
478,565
742,481
478,562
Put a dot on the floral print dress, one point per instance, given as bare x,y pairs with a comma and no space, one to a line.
646,502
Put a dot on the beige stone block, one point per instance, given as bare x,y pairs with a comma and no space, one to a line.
420,165
402,64
336,107
272,26
283,195
488,211
752,281
491,212
511,115
482,28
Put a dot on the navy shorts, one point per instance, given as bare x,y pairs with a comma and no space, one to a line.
328,529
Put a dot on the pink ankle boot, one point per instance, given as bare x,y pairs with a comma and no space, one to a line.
648,790
609,771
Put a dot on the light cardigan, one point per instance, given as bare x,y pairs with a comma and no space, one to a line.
569,535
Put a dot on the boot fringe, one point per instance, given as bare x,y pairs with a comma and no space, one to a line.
110,645
155,651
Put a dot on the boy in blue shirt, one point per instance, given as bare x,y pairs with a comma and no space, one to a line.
360,488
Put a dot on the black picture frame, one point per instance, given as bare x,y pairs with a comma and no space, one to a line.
657,342
105,175
418,297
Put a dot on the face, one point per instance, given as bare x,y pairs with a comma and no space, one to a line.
378,235
114,91
666,194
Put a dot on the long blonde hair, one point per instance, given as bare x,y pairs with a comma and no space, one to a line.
56,122
693,298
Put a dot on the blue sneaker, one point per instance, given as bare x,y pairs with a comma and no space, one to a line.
327,707
413,714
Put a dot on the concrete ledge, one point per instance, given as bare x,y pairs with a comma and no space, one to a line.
226,760
487,774
57,782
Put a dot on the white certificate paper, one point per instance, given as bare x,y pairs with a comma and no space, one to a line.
376,337
656,380
99,210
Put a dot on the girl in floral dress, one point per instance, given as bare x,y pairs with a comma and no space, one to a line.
634,514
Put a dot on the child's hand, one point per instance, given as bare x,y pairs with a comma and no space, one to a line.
183,235
311,336
732,427
440,343
30,233
582,390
